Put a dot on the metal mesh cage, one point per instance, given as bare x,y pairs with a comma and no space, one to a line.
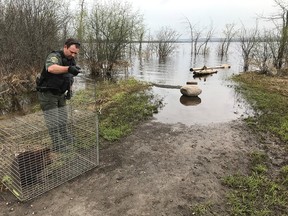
40,151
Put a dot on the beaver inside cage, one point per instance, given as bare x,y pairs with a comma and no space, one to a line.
27,165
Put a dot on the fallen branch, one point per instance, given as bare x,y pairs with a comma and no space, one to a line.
223,66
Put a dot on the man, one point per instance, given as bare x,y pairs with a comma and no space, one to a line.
54,88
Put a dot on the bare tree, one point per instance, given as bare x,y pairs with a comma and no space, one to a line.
113,26
166,39
203,47
197,35
29,30
149,48
141,35
248,40
229,33
191,32
81,21
262,52
283,29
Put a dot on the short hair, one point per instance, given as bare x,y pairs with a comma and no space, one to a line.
71,41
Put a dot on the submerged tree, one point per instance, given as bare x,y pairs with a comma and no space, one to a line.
191,33
203,47
269,52
166,39
195,37
229,33
113,26
262,52
248,40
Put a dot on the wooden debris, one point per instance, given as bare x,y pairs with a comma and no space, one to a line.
222,66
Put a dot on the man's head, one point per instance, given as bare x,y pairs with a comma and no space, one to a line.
71,48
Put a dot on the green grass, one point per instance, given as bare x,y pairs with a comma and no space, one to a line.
264,190
258,193
201,209
121,105
269,98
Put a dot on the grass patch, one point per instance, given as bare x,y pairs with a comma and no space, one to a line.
201,209
269,97
258,193
121,105
264,191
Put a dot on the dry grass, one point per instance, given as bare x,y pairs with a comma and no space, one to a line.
271,83
18,82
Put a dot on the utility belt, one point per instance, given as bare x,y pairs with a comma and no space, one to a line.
53,91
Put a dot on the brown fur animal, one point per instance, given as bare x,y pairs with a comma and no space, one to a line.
27,165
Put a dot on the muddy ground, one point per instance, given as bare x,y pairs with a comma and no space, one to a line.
160,169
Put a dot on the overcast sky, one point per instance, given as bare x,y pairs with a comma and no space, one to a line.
172,13
203,13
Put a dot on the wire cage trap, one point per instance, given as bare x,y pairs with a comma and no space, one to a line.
41,151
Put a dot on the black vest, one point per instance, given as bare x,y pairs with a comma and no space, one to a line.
56,83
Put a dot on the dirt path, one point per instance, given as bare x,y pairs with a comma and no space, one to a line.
159,170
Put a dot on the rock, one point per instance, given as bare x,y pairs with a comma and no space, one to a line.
190,90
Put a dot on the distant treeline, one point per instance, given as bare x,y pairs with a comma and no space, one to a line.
199,40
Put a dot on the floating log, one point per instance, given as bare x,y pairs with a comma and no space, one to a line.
166,86
223,66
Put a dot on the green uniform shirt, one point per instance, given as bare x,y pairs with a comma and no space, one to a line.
53,58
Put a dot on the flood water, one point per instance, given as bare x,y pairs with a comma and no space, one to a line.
218,102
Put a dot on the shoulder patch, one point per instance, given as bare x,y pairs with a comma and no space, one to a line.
54,60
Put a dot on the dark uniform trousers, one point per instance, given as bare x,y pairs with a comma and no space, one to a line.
55,114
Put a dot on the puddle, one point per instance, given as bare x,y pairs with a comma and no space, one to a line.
219,104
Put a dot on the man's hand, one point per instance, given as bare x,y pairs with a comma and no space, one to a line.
74,70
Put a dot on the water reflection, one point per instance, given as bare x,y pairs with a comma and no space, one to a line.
218,101
202,77
190,101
